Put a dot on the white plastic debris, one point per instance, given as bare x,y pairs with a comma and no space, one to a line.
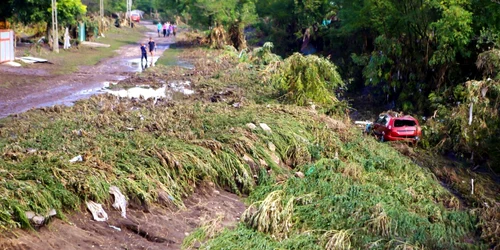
67,38
38,219
120,201
470,112
76,158
363,123
265,127
115,228
97,211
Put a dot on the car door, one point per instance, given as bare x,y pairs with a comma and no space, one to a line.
380,124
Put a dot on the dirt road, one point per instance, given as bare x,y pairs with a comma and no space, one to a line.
40,88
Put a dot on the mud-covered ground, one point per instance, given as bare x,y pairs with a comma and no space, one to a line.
35,86
144,228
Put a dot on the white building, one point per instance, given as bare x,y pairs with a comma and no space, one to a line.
6,46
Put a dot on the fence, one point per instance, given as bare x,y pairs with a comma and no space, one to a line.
6,46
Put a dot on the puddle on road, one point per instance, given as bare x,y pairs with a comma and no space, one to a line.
137,92
162,47
146,92
138,66
181,87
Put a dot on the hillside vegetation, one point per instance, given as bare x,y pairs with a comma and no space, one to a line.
355,192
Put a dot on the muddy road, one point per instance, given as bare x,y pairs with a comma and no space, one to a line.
40,88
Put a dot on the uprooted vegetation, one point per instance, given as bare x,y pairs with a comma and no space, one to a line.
355,192
466,119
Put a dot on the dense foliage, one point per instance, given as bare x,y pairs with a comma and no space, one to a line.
34,11
305,79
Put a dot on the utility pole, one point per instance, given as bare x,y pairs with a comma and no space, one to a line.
129,11
101,9
101,15
55,33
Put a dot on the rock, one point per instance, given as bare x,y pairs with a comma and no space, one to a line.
52,212
38,220
251,126
216,192
299,175
237,104
263,163
31,150
30,214
276,159
265,127
76,158
249,161
271,146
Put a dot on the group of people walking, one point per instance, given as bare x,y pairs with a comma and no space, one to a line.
167,28
151,47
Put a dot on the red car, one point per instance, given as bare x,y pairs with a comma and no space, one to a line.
394,128
135,17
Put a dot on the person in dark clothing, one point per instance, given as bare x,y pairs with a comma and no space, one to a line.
152,46
144,53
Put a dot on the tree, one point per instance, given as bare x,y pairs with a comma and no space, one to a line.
286,20
36,11
231,15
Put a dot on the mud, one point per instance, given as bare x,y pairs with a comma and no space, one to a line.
41,89
144,228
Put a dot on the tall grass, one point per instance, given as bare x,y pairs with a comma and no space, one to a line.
370,197
170,150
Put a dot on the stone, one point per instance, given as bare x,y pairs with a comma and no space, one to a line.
299,175
38,220
276,159
52,212
271,146
30,215
263,163
251,126
265,127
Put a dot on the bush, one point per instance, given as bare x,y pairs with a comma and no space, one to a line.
307,79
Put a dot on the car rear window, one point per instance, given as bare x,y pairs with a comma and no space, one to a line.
402,123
